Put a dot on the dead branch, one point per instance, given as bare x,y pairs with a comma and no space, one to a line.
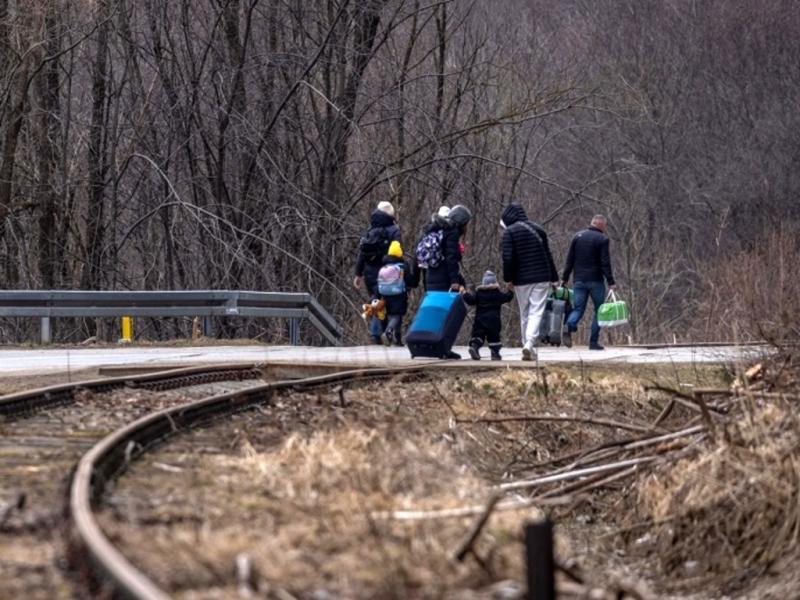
550,418
469,511
664,413
17,504
466,546
516,485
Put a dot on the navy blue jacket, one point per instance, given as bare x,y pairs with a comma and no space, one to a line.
397,304
589,257
526,257
368,271
447,272
488,300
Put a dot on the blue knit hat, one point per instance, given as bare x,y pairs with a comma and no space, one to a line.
489,278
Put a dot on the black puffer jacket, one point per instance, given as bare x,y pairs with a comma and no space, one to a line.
366,269
488,300
397,304
589,257
447,273
526,257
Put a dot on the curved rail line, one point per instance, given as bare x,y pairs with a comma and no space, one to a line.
30,401
43,434
111,456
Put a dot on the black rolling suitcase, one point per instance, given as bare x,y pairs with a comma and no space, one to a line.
436,324
554,319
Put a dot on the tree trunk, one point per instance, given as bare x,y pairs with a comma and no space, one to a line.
97,160
49,136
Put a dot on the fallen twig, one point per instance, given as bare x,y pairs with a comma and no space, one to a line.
597,480
17,504
467,511
516,485
545,418
592,483
605,451
664,413
695,402
744,392
466,546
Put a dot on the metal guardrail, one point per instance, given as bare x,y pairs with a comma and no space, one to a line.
47,304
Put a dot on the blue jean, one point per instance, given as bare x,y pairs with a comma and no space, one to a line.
584,289
376,325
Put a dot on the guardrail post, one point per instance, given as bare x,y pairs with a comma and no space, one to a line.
208,326
540,561
46,335
127,330
294,332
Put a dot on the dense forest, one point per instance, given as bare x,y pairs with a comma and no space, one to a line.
242,144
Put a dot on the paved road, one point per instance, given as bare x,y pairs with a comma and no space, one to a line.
22,361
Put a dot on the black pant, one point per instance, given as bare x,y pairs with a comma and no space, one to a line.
480,334
395,324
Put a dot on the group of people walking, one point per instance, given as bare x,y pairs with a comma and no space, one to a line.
528,269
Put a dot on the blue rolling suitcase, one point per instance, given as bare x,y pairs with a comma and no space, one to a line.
436,324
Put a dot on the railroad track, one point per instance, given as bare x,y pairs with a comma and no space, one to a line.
92,549
109,567
44,432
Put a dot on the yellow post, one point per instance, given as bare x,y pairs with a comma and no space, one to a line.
127,330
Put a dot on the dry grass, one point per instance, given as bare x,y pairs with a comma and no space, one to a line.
305,480
730,512
752,294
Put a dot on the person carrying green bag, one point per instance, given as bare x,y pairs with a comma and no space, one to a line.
590,259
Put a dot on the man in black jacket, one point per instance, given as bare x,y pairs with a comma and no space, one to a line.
372,248
529,268
590,259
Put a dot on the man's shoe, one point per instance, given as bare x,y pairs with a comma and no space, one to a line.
376,339
452,356
496,356
528,353
474,353
596,347
566,338
398,342
387,337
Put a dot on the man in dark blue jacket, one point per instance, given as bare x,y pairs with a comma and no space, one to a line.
529,269
590,259
372,248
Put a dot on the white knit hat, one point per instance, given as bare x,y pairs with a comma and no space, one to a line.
444,211
386,207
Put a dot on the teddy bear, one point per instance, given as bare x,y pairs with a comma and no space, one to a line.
376,308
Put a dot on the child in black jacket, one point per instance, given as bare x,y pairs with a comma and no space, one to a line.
395,278
487,299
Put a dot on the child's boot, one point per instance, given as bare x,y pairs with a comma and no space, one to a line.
474,349
495,348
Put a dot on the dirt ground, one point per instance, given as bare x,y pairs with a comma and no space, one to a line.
345,493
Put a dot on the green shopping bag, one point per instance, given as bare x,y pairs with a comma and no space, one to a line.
564,293
612,312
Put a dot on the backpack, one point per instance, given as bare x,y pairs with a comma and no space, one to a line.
429,250
374,244
391,281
